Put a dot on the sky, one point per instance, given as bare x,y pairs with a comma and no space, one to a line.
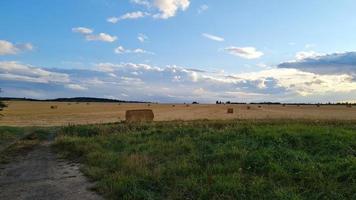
179,50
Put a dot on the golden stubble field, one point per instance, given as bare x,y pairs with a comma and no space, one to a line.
26,113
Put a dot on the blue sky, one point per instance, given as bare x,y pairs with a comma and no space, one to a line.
179,50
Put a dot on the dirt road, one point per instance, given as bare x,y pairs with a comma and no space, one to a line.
41,174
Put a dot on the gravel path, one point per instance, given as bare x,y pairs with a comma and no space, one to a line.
40,174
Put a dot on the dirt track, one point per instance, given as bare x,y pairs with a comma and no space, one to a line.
40,174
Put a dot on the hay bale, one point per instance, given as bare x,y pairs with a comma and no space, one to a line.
144,115
173,105
248,107
230,111
54,107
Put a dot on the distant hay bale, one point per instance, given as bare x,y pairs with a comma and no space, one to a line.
54,107
284,105
145,115
173,105
349,106
88,103
230,111
248,107
148,105
318,105
187,105
259,106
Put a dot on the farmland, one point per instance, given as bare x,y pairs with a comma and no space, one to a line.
26,113
189,152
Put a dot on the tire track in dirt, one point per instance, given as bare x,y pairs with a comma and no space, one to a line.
41,174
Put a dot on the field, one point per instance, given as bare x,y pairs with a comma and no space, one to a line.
25,113
216,159
258,152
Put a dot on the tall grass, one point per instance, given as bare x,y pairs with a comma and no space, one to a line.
10,134
217,160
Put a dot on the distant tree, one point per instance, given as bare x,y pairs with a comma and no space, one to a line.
2,104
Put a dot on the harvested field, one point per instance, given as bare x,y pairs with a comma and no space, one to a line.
25,113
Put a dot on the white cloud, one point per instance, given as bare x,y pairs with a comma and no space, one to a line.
104,37
213,37
142,2
303,83
306,54
142,37
166,8
269,83
169,8
203,8
122,50
76,87
182,84
244,52
262,65
131,15
26,46
7,48
89,36
82,30
12,70
113,20
336,63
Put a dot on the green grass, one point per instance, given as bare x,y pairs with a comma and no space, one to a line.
217,160
10,134
15,141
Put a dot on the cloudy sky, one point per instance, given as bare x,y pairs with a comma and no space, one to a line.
179,50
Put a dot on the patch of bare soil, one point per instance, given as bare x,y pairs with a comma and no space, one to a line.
41,174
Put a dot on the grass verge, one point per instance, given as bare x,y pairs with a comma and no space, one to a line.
217,159
16,141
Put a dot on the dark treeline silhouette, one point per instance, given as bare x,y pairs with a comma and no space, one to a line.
74,99
279,103
2,104
229,102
